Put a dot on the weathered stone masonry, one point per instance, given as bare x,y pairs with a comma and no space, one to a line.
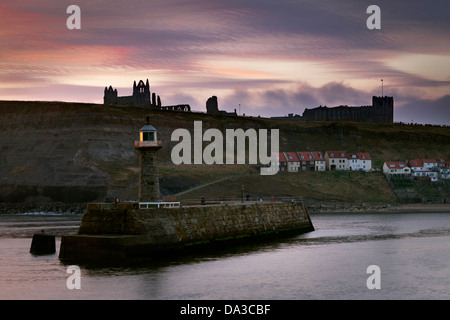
109,232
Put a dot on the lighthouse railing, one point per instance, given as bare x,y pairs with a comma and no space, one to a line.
143,144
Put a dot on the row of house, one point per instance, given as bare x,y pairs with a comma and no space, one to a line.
433,169
316,161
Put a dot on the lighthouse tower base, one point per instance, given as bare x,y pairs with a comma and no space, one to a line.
148,175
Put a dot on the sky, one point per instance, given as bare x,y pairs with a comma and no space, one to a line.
260,57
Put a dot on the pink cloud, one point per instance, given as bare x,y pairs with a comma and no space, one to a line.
168,42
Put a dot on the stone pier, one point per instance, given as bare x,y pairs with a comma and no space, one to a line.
126,232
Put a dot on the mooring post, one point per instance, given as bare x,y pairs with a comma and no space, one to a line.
43,243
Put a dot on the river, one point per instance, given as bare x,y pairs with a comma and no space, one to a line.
410,250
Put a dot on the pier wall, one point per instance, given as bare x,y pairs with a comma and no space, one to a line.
125,231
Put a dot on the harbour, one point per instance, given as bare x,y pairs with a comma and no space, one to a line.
411,249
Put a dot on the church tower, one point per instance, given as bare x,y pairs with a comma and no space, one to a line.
383,108
148,147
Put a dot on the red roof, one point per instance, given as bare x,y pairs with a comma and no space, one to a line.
317,155
416,163
306,156
291,156
439,162
336,154
363,156
396,164
359,155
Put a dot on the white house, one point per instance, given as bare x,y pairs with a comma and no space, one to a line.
444,172
336,160
396,168
365,162
417,165
319,160
359,161
430,163
353,163
417,168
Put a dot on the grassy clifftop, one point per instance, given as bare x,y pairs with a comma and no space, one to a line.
54,151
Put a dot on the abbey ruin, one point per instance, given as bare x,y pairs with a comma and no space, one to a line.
141,98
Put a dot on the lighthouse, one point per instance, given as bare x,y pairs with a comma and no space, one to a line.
148,147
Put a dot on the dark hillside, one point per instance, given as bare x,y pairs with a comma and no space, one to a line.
74,152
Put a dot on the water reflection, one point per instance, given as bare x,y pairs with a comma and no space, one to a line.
412,250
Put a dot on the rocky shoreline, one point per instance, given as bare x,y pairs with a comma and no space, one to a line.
50,207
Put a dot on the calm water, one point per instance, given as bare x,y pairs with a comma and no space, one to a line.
411,250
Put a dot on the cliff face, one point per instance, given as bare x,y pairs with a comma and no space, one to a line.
58,151
71,152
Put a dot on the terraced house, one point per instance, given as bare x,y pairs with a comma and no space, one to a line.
398,168
430,168
336,160
319,160
293,163
302,161
359,161
280,161
307,162
417,168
